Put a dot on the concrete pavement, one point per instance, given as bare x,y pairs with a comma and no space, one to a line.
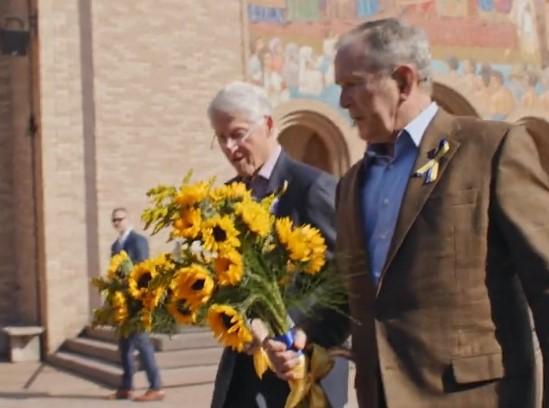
37,385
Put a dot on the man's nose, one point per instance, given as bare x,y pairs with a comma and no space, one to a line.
344,100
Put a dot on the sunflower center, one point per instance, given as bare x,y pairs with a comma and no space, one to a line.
226,319
144,280
181,306
219,234
198,284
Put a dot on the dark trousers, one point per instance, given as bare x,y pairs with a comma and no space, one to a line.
142,343
248,391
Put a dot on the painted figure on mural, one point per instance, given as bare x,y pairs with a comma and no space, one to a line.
530,99
290,71
452,77
276,48
502,102
303,10
517,81
470,82
254,69
311,81
272,80
482,93
326,61
367,8
544,96
523,14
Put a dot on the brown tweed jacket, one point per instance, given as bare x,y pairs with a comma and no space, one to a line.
449,325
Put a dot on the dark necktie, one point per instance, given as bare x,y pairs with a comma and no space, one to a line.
258,184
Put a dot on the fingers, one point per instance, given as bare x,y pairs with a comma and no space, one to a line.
259,333
300,339
282,359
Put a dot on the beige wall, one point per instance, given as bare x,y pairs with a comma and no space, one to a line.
124,90
156,66
62,167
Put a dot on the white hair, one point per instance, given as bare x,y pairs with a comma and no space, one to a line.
242,99
390,42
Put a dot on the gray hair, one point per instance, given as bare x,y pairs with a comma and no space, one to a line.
390,42
243,99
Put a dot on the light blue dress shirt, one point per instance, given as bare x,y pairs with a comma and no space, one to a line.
386,176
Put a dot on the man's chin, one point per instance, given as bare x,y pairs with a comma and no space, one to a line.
243,171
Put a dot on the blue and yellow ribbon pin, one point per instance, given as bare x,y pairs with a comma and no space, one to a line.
429,171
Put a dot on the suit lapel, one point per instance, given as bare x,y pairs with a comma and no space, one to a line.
417,192
350,225
356,211
280,173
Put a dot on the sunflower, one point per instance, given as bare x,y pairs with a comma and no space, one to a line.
220,234
229,268
256,217
151,298
181,311
187,224
140,276
116,262
194,284
229,327
119,306
284,227
318,248
163,262
304,244
232,191
192,194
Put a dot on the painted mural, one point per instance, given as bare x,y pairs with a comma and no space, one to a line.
492,51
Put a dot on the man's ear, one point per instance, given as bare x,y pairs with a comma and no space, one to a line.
270,123
405,77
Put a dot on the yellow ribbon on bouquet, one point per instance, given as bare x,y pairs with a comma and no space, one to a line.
261,362
305,390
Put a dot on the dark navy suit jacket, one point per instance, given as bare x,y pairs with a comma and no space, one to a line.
135,245
309,199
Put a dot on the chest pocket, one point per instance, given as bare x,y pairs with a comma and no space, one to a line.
441,214
453,198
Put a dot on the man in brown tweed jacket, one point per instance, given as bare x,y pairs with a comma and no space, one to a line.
445,231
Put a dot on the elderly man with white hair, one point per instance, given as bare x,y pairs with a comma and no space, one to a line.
241,116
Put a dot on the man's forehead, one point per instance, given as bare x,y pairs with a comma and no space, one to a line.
231,121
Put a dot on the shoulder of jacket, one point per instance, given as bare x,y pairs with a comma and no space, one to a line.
306,175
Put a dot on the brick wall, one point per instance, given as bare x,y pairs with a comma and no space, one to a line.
156,66
62,166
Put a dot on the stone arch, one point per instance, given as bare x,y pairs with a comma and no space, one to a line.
452,101
314,133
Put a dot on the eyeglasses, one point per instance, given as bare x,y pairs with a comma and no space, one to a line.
238,137
115,220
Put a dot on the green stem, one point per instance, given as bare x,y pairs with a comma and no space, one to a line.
272,301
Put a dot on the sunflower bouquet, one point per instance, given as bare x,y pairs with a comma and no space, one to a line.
128,305
233,261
